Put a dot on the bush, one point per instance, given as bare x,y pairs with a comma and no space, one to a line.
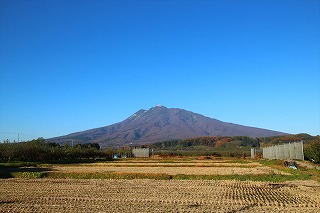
312,151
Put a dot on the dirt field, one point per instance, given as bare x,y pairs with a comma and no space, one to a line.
74,195
173,168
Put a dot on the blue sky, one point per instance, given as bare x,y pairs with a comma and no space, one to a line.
68,66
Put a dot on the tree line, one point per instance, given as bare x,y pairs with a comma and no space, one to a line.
38,150
213,142
233,146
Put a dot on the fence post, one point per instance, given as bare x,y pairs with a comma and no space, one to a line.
302,150
252,153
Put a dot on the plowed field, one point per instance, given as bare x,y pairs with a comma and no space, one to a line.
74,195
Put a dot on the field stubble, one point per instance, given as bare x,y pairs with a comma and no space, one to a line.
74,195
173,168
149,195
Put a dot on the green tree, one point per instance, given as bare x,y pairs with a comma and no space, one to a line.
312,151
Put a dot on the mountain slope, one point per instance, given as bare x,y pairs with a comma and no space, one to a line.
158,124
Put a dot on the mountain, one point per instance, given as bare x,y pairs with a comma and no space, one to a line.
159,124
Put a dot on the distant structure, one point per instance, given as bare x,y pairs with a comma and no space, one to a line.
141,152
292,151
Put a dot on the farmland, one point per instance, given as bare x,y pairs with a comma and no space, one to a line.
163,185
70,195
191,167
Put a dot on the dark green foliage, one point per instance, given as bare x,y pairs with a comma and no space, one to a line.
312,151
39,150
224,142
217,152
216,146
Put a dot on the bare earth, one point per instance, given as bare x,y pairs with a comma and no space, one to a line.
189,168
74,195
174,170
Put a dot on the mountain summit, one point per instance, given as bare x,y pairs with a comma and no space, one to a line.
160,123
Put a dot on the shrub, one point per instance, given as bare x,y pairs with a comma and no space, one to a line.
312,151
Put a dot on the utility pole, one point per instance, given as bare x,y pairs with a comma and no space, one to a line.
13,133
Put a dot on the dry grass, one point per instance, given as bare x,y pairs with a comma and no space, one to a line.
195,167
176,164
73,195
171,170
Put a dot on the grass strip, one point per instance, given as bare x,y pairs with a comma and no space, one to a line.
109,175
262,178
156,176
179,166
22,175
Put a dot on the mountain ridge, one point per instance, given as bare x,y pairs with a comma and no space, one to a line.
160,123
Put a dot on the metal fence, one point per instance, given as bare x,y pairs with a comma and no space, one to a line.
255,152
285,151
141,153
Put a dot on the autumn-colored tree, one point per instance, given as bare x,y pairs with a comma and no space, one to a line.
222,141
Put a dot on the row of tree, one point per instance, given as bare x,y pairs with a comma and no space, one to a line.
40,150
213,142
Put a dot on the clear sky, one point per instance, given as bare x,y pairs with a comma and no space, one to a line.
69,65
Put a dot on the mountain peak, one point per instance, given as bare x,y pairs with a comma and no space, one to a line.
160,123
160,106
